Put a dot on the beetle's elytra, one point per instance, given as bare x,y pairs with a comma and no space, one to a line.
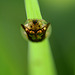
35,29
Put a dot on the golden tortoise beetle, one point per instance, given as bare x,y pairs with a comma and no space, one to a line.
36,29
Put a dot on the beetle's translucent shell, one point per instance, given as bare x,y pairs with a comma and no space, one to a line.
36,30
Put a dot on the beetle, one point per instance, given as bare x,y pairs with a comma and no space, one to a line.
35,29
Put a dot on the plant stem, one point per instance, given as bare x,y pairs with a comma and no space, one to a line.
32,9
40,60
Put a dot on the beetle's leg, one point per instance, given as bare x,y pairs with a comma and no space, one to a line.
48,25
23,26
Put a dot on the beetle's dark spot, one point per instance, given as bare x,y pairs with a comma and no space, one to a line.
31,26
34,21
39,25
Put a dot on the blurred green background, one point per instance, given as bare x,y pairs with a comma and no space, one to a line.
13,48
